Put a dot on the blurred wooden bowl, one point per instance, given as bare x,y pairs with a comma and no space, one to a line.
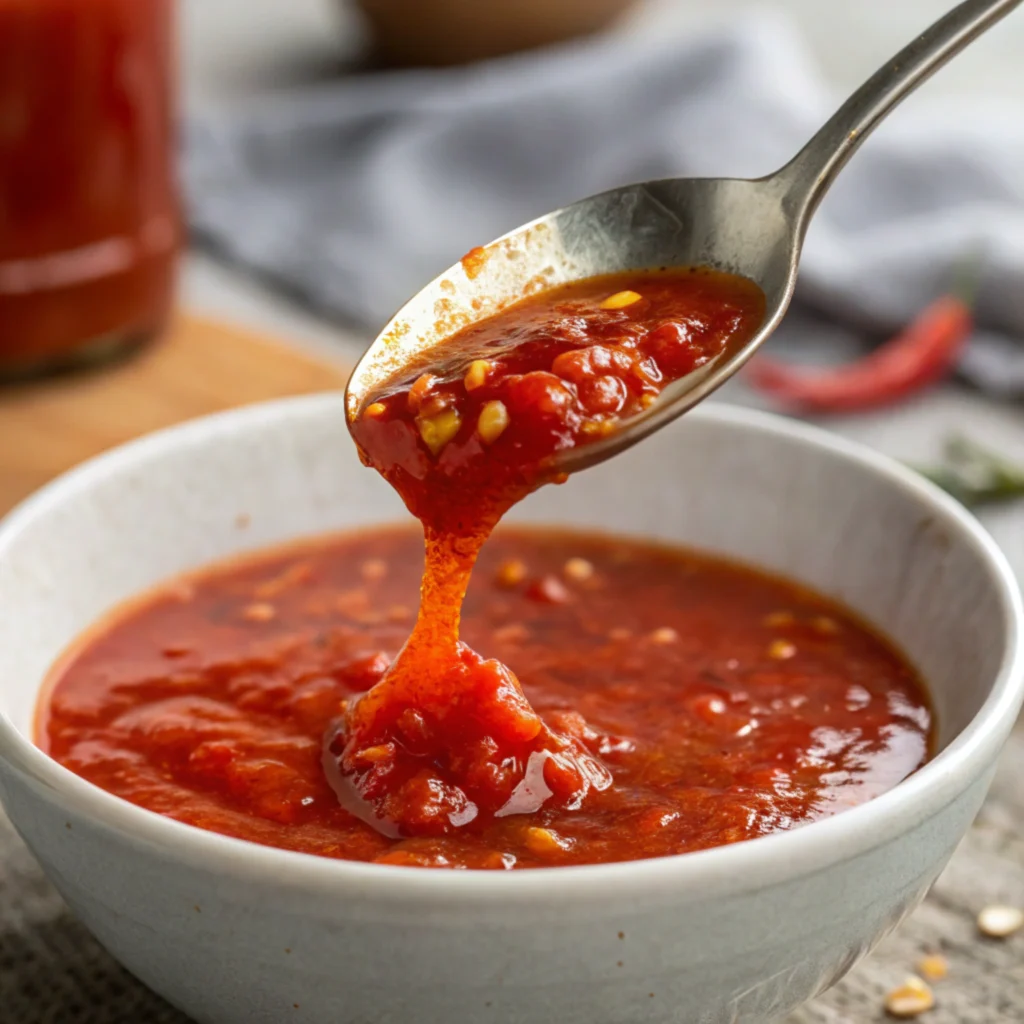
445,32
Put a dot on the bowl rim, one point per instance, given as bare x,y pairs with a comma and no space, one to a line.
739,867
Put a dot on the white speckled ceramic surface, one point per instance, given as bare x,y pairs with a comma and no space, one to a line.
240,934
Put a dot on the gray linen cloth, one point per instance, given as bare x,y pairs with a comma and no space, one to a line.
353,194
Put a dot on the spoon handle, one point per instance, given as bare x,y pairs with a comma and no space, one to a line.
808,176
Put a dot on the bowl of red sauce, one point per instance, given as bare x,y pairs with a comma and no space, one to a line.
782,666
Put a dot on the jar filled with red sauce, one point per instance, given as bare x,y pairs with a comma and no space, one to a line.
89,211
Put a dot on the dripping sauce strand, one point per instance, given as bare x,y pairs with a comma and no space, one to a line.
447,738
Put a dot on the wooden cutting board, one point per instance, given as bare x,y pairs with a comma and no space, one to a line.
199,366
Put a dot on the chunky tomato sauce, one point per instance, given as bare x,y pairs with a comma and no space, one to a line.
722,703
656,702
448,738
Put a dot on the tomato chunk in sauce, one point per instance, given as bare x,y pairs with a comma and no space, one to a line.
724,704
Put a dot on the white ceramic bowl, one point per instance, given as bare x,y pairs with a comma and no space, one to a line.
235,933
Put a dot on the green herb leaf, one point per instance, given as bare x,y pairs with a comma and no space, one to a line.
974,474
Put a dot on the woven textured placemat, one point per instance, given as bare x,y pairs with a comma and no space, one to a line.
53,972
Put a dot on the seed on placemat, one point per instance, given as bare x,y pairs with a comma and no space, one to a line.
933,967
998,922
912,998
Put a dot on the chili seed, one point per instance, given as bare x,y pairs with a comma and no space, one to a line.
513,633
492,422
824,625
776,620
933,967
781,650
578,569
434,403
419,390
511,573
375,409
646,401
374,755
438,430
544,842
664,635
911,999
399,613
599,428
260,611
1000,922
620,300
373,569
476,375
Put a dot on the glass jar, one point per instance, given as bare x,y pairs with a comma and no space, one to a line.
89,214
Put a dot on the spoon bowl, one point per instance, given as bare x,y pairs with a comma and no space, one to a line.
670,223
751,227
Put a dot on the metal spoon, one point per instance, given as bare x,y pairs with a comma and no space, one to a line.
750,227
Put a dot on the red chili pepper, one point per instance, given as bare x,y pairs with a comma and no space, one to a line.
925,352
